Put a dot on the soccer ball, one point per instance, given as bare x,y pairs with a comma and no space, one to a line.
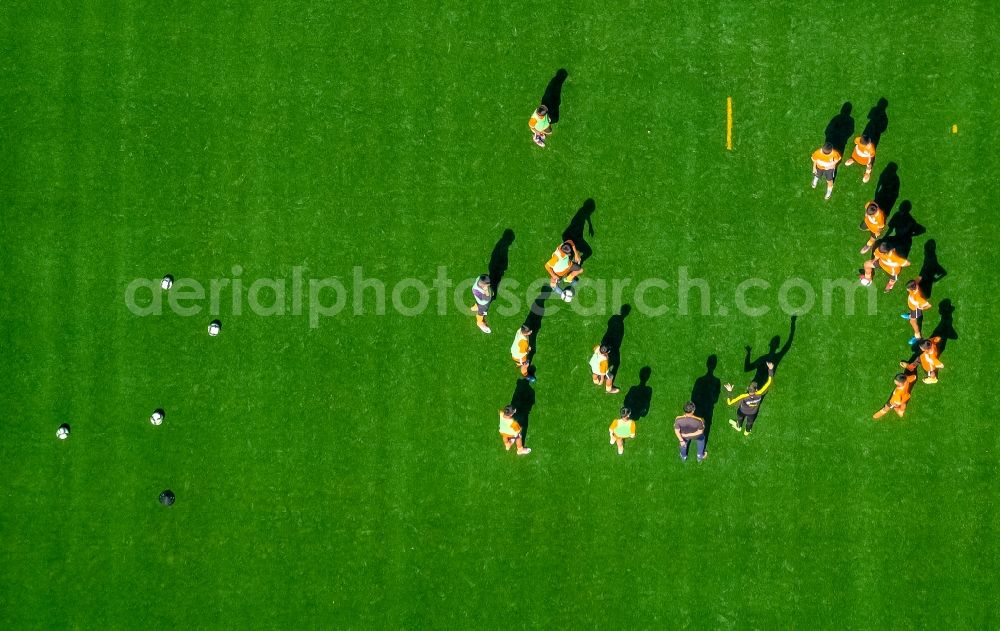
167,282
156,418
214,328
63,432
568,295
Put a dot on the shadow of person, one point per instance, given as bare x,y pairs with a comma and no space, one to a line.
930,271
500,259
773,355
705,393
878,121
887,188
946,327
902,227
639,397
613,338
840,128
523,401
552,98
536,311
574,231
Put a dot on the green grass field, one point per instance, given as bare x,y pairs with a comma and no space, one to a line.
346,472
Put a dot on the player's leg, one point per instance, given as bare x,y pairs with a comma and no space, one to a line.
869,268
900,409
868,172
598,379
508,441
609,384
621,446
702,454
915,319
882,412
738,423
521,450
815,177
830,174
892,281
749,424
684,449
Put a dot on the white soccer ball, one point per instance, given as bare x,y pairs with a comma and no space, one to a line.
156,418
214,328
568,295
62,433
167,282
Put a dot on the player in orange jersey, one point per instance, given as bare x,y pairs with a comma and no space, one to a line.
621,428
863,154
564,265
510,431
928,360
601,369
824,162
874,223
884,256
900,395
916,305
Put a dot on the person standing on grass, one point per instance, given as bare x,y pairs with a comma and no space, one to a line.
600,366
916,305
688,427
483,294
874,223
928,360
899,397
540,125
863,154
564,265
825,161
749,403
621,428
519,351
884,256
510,431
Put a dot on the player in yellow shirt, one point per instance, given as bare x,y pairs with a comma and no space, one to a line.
540,125
564,265
519,351
510,431
601,369
824,162
621,428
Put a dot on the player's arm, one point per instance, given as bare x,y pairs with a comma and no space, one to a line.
736,400
677,432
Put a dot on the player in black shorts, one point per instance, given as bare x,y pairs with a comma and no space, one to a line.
746,413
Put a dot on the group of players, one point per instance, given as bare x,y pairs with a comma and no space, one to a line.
885,257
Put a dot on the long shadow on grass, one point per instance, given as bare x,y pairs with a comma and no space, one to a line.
552,98
500,259
902,228
638,398
878,121
887,188
613,338
840,128
930,271
775,353
523,401
705,394
574,231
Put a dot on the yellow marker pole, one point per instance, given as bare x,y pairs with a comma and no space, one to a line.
954,129
729,123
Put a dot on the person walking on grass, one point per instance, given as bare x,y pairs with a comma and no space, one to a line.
510,431
916,304
928,360
824,162
600,367
874,223
749,403
688,427
540,125
886,257
863,154
621,428
482,292
519,351
900,395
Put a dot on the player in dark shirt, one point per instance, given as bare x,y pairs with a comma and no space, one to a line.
688,427
746,413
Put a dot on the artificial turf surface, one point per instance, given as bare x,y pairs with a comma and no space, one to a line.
350,474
